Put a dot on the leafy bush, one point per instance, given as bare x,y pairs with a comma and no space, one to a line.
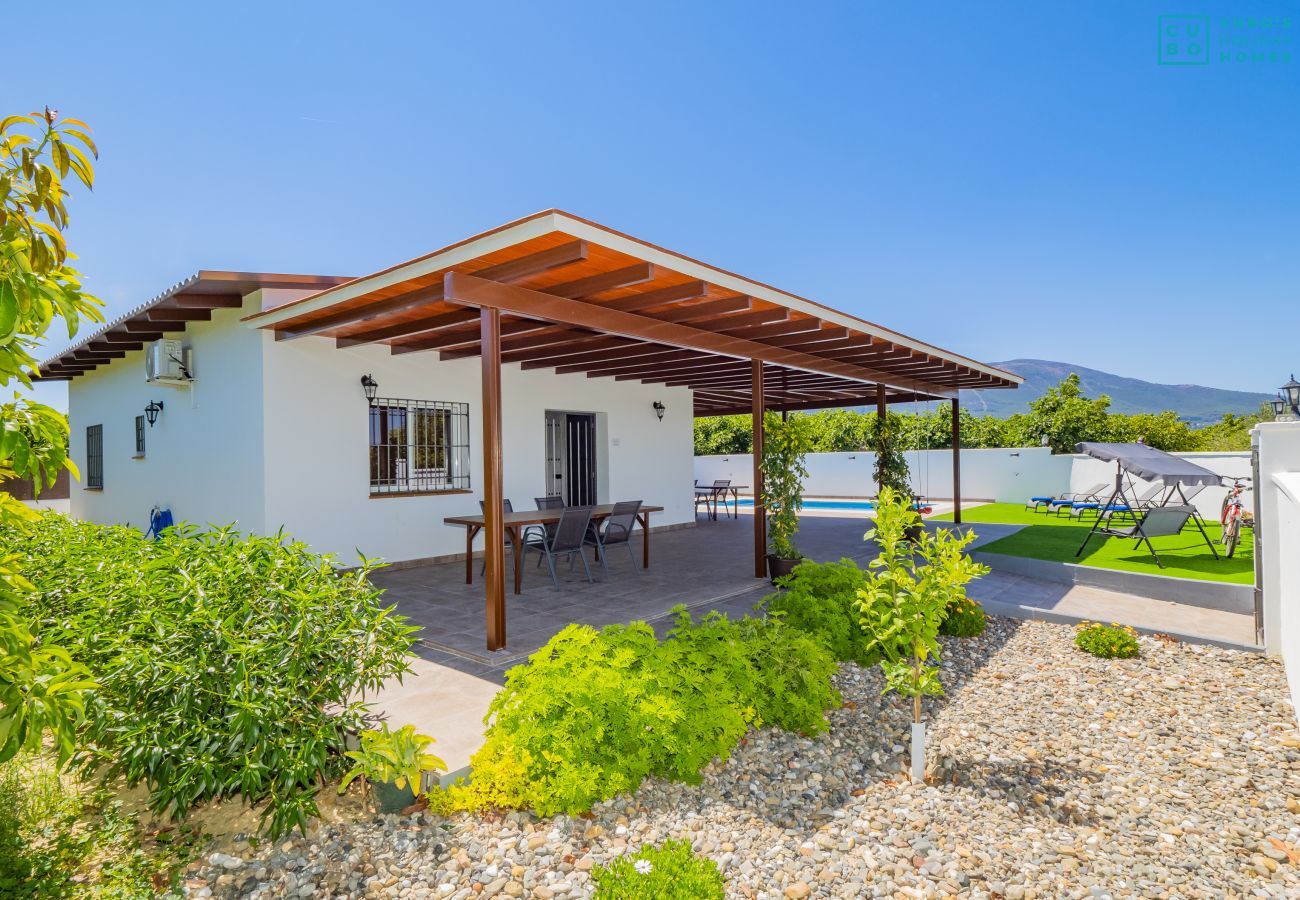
593,713
392,757
670,872
63,839
963,618
226,664
1112,641
821,600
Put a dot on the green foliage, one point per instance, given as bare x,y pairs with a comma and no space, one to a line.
1064,415
1113,641
910,585
963,618
41,686
669,872
593,713
392,757
226,664
786,444
891,469
821,600
61,839
722,435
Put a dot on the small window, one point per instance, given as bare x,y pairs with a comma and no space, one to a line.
95,457
139,436
418,447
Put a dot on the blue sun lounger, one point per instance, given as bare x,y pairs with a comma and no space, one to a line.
1053,502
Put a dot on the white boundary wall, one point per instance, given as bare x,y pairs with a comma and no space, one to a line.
1009,476
1279,536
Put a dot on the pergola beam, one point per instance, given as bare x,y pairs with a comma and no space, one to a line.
544,260
472,291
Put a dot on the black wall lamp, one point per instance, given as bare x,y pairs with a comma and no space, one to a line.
371,387
151,412
1286,405
660,409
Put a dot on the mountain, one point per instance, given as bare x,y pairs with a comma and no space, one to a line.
1192,402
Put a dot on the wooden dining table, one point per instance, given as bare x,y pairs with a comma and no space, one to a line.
516,522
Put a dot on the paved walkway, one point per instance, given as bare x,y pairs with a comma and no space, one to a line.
706,567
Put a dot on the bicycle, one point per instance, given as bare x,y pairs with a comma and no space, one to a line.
1234,515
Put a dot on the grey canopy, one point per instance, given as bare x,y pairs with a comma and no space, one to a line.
1150,464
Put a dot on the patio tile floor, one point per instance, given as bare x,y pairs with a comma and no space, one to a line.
705,567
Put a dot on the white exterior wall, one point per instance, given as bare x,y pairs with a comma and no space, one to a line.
1008,476
317,435
1004,475
202,457
1279,542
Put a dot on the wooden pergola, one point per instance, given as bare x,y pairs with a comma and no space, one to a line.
554,291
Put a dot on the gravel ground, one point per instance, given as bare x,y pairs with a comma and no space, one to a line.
1052,774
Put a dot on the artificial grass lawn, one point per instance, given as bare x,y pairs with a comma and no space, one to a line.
1047,536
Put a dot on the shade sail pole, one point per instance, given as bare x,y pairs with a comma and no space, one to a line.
760,512
493,527
956,461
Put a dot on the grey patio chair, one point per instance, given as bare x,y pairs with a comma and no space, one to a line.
1151,496
530,533
617,530
1160,521
548,503
567,540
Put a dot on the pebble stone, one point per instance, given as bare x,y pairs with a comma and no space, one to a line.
1050,773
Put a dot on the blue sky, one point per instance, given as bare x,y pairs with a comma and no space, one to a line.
1005,180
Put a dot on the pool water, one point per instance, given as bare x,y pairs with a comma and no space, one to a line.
838,505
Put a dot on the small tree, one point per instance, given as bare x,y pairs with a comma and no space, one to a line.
40,685
891,466
785,444
909,586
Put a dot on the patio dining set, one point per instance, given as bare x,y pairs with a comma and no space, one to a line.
559,533
710,496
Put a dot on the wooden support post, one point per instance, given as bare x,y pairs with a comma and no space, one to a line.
493,527
956,461
882,410
760,513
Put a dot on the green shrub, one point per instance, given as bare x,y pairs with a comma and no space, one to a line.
820,599
63,839
670,872
963,618
593,713
226,664
1113,641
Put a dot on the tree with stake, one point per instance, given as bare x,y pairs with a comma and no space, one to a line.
909,586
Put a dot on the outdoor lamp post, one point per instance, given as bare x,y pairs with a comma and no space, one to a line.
371,387
1286,405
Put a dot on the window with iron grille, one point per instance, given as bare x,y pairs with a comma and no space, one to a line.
95,456
418,446
139,435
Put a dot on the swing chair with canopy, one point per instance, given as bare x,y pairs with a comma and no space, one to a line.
1149,464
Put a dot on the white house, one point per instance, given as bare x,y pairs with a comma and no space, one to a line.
549,357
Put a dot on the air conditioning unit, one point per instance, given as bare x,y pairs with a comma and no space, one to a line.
167,362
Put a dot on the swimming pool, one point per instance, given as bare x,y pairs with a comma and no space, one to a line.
836,505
